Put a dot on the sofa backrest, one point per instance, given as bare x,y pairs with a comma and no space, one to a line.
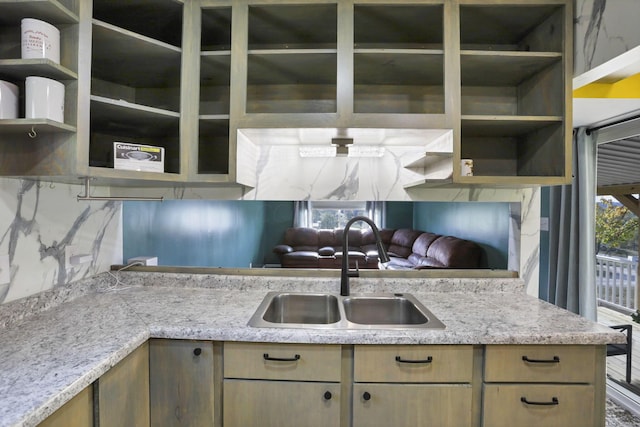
455,253
422,243
302,238
402,242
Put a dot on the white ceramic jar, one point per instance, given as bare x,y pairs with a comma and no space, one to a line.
44,99
40,40
9,94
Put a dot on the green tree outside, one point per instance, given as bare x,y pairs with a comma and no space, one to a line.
616,226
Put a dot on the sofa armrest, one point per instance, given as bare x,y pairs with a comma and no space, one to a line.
282,249
327,251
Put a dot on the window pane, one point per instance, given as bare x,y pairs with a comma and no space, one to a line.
336,215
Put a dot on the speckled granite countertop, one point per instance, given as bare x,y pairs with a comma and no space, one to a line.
48,357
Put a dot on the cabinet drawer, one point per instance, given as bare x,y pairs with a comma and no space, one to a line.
397,405
549,405
304,362
413,363
280,404
540,363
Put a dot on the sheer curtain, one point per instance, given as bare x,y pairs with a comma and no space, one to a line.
301,213
572,233
377,212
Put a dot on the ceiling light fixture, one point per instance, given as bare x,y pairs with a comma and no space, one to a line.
342,145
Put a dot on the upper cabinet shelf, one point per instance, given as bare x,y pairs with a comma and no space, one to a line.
514,76
211,153
398,59
292,58
496,72
132,59
387,26
157,19
52,11
520,26
298,26
22,68
135,79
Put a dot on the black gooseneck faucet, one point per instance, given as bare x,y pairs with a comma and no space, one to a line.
345,273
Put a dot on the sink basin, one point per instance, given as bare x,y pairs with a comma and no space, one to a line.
327,311
391,310
382,311
290,308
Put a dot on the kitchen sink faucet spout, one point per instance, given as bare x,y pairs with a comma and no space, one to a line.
382,253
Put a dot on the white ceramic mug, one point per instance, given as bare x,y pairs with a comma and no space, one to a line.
466,167
44,99
40,40
8,100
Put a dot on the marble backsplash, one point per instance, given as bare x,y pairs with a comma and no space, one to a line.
40,221
604,29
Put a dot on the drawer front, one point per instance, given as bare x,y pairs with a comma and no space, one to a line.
548,405
413,363
280,404
397,405
540,364
304,362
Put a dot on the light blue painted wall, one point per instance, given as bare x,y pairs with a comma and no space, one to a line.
399,215
215,233
210,233
486,223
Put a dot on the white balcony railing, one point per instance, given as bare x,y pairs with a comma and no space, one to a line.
616,283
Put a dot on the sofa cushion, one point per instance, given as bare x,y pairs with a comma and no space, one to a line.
282,249
402,241
422,243
453,252
328,238
326,251
303,259
301,237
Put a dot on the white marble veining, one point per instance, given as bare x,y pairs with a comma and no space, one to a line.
47,358
603,30
40,221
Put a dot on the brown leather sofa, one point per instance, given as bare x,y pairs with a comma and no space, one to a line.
408,249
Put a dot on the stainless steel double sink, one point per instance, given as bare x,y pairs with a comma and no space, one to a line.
328,311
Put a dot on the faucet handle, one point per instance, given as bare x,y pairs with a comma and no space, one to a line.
356,273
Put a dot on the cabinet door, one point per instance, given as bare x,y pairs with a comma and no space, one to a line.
281,404
412,405
123,392
533,405
78,412
181,383
540,363
298,362
413,363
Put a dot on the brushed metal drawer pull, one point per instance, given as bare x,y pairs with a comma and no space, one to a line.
554,401
295,358
399,359
555,359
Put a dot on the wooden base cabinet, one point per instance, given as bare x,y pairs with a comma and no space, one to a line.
556,405
181,383
544,385
413,385
78,412
281,385
412,405
250,403
123,392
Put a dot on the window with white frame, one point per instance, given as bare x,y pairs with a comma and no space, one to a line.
336,214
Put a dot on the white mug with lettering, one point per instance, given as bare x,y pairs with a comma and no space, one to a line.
40,40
